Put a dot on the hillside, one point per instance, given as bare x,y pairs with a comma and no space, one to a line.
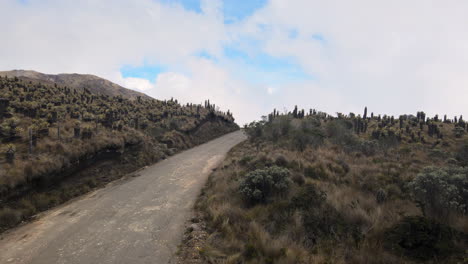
313,188
79,82
58,142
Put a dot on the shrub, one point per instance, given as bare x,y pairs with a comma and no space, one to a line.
458,132
388,140
303,138
284,125
43,201
317,172
381,196
298,179
308,197
261,162
438,191
438,154
420,238
91,182
9,217
250,252
8,127
254,130
369,147
320,219
344,165
281,161
27,208
278,127
245,160
259,185
462,154
340,133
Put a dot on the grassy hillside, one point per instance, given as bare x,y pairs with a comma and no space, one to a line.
312,188
50,134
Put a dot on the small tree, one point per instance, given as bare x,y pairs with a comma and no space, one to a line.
259,185
440,191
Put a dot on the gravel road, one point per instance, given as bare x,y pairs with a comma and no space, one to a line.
136,220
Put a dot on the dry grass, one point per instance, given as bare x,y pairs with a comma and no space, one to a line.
265,233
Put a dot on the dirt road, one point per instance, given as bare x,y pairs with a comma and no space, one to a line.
138,220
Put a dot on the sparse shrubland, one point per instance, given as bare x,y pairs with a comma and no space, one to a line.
56,141
371,189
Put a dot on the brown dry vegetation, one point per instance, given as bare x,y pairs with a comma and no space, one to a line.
51,133
349,199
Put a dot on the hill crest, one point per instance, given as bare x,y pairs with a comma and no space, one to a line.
94,84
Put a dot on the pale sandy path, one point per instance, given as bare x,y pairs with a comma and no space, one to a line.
139,220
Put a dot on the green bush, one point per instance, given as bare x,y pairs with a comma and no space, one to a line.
254,130
439,191
303,138
261,184
369,147
245,160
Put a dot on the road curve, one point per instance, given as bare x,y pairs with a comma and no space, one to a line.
140,220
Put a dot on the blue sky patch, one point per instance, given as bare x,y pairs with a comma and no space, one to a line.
293,33
234,10
319,37
191,5
206,55
262,68
149,72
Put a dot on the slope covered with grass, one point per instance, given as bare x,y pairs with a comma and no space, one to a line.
312,188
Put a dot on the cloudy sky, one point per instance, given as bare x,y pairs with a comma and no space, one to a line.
251,56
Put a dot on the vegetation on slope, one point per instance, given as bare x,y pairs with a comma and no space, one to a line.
312,188
51,132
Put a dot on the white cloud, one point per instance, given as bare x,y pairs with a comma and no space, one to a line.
137,84
393,56
206,80
270,90
171,83
100,36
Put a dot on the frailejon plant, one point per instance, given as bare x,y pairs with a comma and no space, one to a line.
259,185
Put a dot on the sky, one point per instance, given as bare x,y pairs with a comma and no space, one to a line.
250,56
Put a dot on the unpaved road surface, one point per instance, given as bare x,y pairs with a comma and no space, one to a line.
139,220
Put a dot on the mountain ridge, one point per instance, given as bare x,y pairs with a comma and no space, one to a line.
93,83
